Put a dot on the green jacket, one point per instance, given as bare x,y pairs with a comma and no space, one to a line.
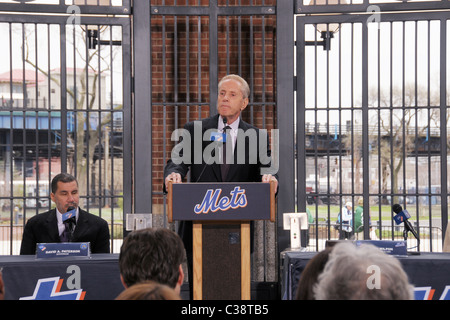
359,219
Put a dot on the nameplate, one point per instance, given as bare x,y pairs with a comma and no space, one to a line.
63,249
397,248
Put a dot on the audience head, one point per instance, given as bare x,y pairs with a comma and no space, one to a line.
310,274
153,254
2,287
362,273
149,290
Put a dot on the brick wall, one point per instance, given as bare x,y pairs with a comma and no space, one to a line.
179,78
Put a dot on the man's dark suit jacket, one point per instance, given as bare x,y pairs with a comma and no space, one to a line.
211,173
245,172
43,228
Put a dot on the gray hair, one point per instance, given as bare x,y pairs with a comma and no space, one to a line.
245,89
347,272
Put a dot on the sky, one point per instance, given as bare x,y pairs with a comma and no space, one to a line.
343,87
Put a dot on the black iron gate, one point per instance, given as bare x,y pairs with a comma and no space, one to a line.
65,107
372,119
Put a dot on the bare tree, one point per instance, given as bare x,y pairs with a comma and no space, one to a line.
85,97
396,123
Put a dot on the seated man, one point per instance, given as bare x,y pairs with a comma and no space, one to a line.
48,227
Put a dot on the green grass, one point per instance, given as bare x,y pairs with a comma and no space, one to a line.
375,211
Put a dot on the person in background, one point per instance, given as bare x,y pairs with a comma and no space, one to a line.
310,222
359,216
359,220
345,229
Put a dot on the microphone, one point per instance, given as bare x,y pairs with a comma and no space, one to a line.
69,219
403,216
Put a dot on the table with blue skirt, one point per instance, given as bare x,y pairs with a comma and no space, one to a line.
428,272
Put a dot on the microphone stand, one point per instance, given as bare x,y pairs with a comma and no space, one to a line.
405,233
405,237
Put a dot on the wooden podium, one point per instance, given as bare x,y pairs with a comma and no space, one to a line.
221,215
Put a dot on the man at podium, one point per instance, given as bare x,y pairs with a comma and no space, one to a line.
244,164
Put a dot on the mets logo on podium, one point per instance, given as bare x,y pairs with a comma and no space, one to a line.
50,289
213,202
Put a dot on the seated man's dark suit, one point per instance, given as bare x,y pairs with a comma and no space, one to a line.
43,228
